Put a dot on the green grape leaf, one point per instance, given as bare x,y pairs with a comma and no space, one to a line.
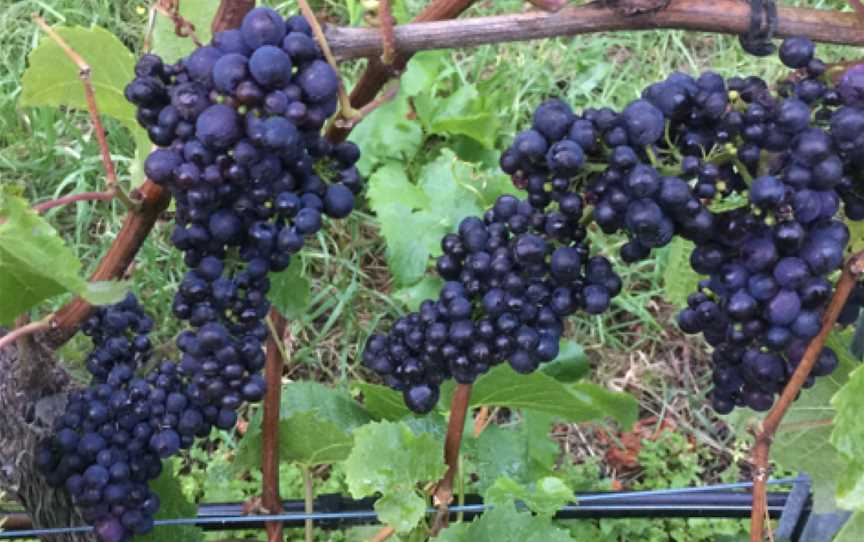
570,365
413,218
847,437
390,184
322,440
544,497
802,441
173,505
388,458
35,263
170,46
333,405
387,134
506,524
679,279
445,181
402,509
105,292
523,454
856,236
852,529
382,402
325,416
729,203
422,72
291,291
413,296
577,402
52,79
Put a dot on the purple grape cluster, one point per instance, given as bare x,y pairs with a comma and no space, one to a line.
238,128
673,163
105,447
512,277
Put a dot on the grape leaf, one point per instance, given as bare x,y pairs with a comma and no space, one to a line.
390,184
309,439
413,218
382,402
389,458
570,365
52,78
35,263
847,437
462,112
387,134
170,46
333,405
325,417
851,531
523,453
505,524
173,505
679,279
290,290
105,292
578,402
802,441
413,296
544,496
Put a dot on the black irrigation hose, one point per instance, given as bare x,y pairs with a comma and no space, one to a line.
336,511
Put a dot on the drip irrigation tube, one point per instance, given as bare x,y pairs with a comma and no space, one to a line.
336,511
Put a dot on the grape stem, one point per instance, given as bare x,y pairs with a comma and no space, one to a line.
859,8
230,14
84,72
388,37
377,74
25,330
443,491
852,270
382,535
270,498
308,502
108,195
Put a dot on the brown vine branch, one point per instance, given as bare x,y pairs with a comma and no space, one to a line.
230,14
549,5
765,435
270,498
443,494
73,198
377,74
26,330
136,227
858,7
384,534
84,71
720,16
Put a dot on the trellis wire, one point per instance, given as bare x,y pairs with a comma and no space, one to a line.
468,508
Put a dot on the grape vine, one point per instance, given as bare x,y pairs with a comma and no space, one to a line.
238,123
753,176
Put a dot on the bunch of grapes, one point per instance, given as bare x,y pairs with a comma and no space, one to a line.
238,127
105,446
673,163
512,279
